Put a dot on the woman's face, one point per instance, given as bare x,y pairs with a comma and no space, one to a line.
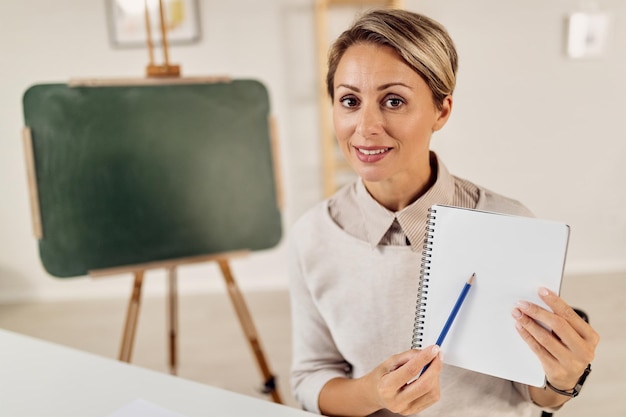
384,116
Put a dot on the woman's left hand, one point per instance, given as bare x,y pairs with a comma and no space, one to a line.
565,351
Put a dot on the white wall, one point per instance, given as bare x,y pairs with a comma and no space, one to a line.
533,124
528,122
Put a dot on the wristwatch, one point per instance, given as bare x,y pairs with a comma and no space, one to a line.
579,384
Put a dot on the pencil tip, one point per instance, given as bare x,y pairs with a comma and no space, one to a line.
471,280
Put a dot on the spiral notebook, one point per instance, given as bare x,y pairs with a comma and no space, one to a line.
512,256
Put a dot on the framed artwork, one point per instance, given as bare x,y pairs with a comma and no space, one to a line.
127,21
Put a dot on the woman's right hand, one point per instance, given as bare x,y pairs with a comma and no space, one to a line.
391,385
390,379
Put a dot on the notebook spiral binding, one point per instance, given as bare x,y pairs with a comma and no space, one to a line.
422,289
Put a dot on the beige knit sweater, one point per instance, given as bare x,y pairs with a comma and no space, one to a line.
353,306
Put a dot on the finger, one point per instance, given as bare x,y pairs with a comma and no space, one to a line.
563,309
425,391
558,325
564,323
413,367
397,360
558,361
555,370
431,369
541,341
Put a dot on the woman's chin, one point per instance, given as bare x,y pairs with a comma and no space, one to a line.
370,174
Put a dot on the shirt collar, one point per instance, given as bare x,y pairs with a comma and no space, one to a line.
412,219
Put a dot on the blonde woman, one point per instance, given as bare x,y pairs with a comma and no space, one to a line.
354,258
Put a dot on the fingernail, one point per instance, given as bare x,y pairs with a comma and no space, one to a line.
543,291
435,350
523,305
516,313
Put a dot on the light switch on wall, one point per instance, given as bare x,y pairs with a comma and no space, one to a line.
587,34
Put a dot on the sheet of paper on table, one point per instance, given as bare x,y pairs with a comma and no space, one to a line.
143,408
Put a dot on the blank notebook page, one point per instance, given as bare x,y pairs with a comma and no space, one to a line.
512,257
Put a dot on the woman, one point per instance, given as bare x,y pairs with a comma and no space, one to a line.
355,258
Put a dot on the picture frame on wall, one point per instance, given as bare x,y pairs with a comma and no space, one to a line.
127,22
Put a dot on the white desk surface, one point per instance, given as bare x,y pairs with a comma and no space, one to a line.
42,379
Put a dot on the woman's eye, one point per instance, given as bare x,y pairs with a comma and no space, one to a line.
394,102
348,102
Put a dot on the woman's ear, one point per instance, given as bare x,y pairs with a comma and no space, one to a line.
444,113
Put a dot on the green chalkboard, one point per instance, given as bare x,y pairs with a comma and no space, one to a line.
134,174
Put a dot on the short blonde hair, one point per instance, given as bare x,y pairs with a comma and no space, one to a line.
421,42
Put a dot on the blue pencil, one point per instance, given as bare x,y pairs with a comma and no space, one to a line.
455,310
453,313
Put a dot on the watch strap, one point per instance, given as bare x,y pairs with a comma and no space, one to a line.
577,388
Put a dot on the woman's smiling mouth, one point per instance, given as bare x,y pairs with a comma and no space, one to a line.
371,154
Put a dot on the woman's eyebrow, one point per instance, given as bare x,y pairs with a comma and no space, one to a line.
349,87
380,88
394,84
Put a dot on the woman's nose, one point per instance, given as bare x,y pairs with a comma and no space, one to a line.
370,122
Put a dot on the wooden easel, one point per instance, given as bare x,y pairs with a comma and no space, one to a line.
139,269
269,384
332,163
166,69
236,297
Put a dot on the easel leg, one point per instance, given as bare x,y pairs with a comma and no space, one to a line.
172,307
248,327
132,314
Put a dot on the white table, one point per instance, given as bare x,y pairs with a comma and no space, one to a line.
42,379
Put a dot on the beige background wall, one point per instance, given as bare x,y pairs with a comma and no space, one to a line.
528,121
